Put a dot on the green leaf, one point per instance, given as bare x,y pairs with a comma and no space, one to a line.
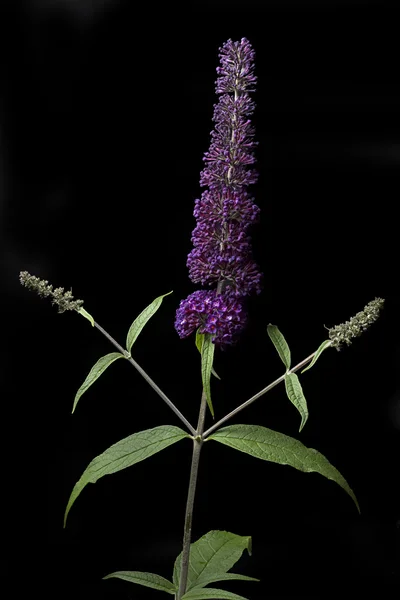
211,556
87,316
95,372
280,344
126,453
199,345
222,577
147,579
295,394
207,357
141,321
279,448
211,594
318,353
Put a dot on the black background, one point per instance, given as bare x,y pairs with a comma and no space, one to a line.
105,113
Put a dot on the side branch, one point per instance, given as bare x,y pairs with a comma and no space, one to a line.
256,396
147,378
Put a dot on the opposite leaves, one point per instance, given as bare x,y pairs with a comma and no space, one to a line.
126,453
273,446
141,321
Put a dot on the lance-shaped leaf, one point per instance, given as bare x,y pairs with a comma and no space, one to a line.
199,345
280,344
87,316
279,448
126,453
211,556
147,579
318,353
295,394
141,321
95,372
207,357
211,594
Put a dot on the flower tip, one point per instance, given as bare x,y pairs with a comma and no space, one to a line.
346,332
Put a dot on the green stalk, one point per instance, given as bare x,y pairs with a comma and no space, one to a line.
187,533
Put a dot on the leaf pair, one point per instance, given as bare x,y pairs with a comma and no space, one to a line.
293,387
210,559
105,361
255,440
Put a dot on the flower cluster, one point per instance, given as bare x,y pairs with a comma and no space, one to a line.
64,300
346,332
221,252
209,312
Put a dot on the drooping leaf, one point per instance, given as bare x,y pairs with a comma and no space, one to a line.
280,344
318,353
87,316
211,594
141,321
95,372
126,453
199,345
279,448
211,556
295,394
222,577
207,357
147,579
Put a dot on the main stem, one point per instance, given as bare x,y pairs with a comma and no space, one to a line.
187,534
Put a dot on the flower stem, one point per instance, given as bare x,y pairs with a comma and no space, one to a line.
187,533
256,396
147,378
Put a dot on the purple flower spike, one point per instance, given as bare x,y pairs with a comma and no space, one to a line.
213,313
221,252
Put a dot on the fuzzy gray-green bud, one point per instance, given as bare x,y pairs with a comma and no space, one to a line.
346,332
64,300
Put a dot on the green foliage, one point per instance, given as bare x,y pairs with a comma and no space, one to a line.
222,577
147,579
211,594
199,345
207,357
295,394
211,557
87,316
141,321
273,446
95,372
126,453
280,344
326,344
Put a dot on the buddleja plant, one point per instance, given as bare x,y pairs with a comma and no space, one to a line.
221,260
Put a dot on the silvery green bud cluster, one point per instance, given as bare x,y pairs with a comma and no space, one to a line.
64,300
346,332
